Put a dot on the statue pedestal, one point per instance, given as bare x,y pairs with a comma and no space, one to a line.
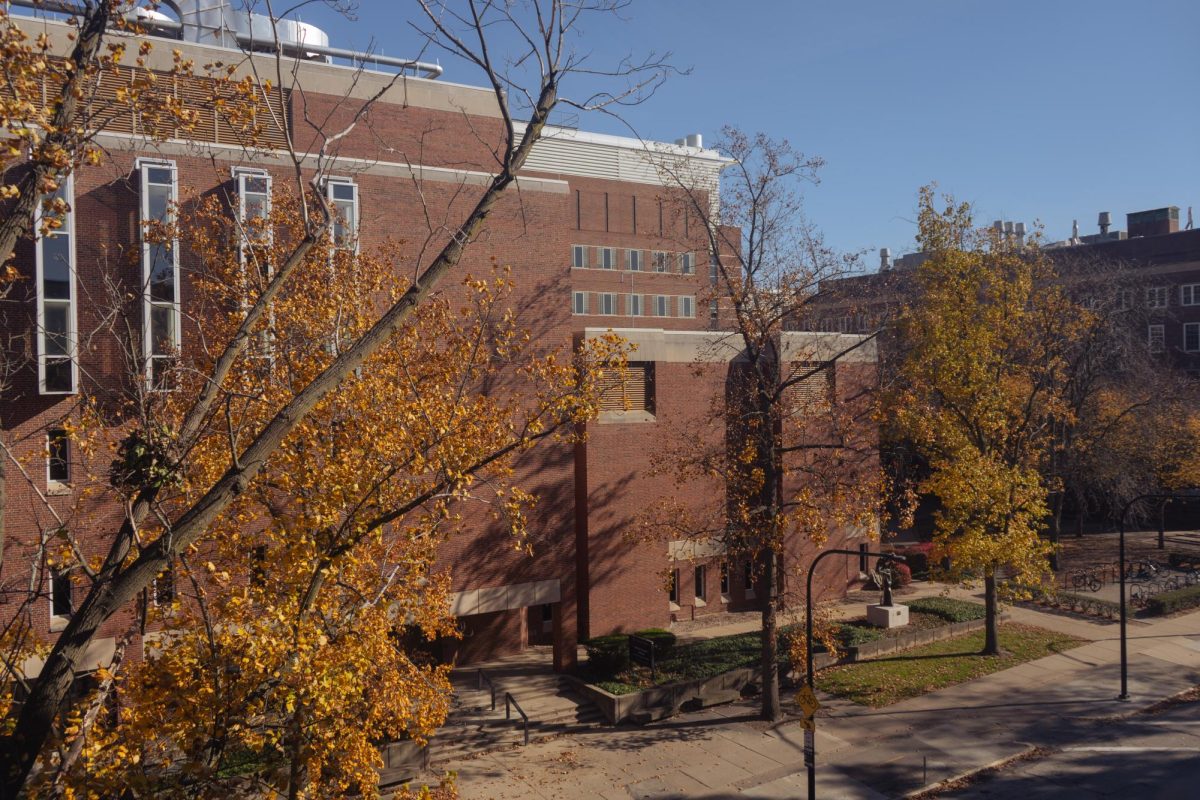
887,616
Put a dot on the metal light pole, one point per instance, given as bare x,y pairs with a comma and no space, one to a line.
1124,695
811,747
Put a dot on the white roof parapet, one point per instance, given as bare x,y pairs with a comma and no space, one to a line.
817,346
685,347
625,158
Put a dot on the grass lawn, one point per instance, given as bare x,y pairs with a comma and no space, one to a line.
914,672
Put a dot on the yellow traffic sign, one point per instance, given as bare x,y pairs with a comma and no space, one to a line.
808,701
808,723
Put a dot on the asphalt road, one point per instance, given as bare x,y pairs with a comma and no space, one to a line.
1151,757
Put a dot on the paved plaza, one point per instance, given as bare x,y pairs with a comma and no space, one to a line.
725,752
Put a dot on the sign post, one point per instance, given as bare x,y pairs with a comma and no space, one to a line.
641,651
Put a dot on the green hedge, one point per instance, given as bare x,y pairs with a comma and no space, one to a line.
609,655
948,608
1174,600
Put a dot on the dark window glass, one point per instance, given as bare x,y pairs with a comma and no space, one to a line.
56,320
60,594
58,452
56,267
58,375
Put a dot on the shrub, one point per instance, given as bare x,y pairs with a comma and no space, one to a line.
1088,604
902,573
948,608
608,655
916,556
852,634
1174,600
664,641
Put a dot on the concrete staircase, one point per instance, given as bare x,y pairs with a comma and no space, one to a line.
472,727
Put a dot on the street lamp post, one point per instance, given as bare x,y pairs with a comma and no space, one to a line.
808,638
1124,695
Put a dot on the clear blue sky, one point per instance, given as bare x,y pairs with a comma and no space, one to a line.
1052,110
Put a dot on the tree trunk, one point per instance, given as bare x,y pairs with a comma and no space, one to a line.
771,710
1056,528
991,636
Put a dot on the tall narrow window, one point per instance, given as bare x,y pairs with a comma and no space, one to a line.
673,589
1156,338
635,260
687,306
660,260
58,459
685,263
608,304
748,577
1191,337
254,206
61,605
57,367
701,582
634,305
608,258
343,195
661,305
580,303
713,311
714,268
254,212
579,259
160,269
725,578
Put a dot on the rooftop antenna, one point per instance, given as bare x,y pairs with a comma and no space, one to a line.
1189,222
1074,231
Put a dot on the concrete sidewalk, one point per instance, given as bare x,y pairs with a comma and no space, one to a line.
861,753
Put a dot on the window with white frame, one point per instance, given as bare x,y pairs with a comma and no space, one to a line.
1189,294
686,265
634,259
700,583
607,303
343,196
1124,299
1191,337
160,269
580,304
662,305
712,311
748,578
579,256
660,261
687,306
254,205
673,588
608,258
58,370
58,459
633,305
1156,297
1156,338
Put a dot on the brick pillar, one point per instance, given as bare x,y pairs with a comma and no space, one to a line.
565,639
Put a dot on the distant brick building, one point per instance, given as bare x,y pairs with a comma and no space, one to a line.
593,243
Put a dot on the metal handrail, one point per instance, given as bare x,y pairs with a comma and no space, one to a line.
509,699
483,678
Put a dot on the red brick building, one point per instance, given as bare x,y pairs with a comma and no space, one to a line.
594,244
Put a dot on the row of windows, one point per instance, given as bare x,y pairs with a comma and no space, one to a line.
1156,337
58,370
1154,297
633,305
700,583
585,257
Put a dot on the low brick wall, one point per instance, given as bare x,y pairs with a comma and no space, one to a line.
620,707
